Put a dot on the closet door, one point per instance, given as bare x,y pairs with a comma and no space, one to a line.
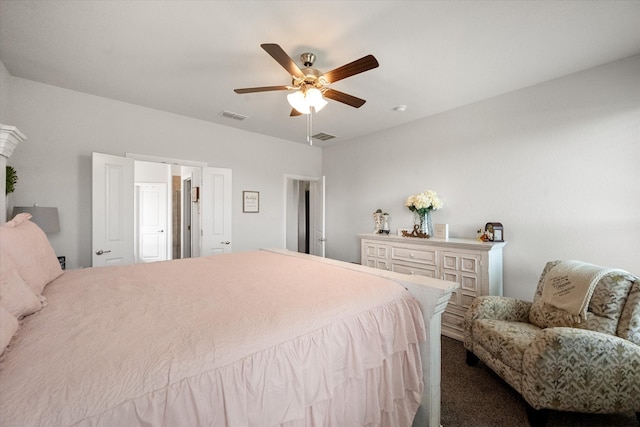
112,210
152,226
215,208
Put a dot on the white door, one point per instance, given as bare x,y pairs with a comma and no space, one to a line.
215,211
317,202
152,222
112,210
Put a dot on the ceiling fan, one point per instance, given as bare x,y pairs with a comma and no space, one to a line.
310,85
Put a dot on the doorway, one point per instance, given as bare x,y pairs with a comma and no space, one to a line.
115,221
186,215
305,214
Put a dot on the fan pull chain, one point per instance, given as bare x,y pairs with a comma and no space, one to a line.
310,125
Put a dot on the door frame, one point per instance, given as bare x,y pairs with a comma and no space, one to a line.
187,228
167,160
315,221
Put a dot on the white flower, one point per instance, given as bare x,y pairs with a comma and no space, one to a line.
423,202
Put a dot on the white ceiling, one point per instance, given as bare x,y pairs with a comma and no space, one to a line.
186,57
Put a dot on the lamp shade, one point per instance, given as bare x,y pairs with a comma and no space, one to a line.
45,218
303,101
315,99
298,101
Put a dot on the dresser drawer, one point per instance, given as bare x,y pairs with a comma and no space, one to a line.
423,256
468,263
382,264
372,250
417,269
468,282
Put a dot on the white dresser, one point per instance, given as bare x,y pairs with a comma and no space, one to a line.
475,265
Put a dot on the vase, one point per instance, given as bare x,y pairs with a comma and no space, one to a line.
426,226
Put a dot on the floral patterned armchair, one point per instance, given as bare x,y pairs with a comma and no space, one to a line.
554,363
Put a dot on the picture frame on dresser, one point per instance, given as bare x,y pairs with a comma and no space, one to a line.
441,231
495,231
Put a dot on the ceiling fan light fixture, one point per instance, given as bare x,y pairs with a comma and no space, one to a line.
298,101
303,100
315,99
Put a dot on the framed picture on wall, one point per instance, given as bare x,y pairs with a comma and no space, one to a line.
250,201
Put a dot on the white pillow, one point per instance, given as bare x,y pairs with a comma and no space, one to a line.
8,328
27,245
15,295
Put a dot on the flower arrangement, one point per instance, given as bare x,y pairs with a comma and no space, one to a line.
424,202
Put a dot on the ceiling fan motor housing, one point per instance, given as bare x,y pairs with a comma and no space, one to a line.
312,78
308,59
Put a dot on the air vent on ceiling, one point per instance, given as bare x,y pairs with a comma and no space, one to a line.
323,136
232,115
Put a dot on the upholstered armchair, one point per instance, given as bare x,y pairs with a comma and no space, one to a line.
558,361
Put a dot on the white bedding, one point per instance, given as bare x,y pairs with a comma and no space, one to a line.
243,339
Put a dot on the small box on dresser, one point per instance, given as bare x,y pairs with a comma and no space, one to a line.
475,265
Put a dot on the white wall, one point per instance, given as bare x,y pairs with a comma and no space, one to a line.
64,127
5,78
558,164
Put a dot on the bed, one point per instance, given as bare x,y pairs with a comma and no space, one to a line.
249,339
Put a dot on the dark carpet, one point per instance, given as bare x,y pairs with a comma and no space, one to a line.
477,397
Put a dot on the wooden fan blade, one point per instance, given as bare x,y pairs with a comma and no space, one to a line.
358,66
345,98
295,113
282,58
261,89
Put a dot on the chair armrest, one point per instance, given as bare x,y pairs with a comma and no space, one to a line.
570,369
496,308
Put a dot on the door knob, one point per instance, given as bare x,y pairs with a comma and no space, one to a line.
100,252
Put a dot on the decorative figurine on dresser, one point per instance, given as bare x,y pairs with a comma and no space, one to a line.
381,221
377,219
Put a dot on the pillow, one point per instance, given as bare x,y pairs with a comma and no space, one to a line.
8,328
15,295
27,246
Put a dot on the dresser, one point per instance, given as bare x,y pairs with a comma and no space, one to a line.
476,266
